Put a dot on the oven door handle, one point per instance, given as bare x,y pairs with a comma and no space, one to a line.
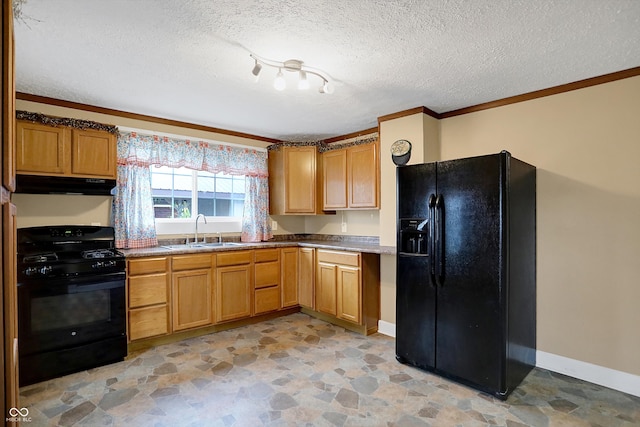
75,289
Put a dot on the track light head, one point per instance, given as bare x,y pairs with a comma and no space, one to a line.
303,83
279,83
256,69
326,88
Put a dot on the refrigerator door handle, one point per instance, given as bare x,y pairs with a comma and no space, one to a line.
431,245
439,239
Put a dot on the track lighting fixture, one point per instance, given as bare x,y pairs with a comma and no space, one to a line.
292,65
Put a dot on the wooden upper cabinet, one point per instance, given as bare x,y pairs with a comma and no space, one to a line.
351,177
42,149
293,182
334,173
363,168
49,150
93,153
300,180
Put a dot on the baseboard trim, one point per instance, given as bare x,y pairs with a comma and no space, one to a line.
617,380
387,328
607,377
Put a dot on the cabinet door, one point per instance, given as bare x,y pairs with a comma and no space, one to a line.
307,277
41,149
363,176
93,153
289,276
9,299
300,179
326,288
148,322
233,292
334,174
349,295
191,299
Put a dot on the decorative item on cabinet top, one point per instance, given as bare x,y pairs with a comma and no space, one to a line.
323,146
63,121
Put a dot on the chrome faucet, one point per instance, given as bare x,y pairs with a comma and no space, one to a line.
197,218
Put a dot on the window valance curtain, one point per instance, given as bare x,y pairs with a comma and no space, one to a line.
133,215
147,150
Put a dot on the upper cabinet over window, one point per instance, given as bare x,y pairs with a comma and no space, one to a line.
351,177
60,150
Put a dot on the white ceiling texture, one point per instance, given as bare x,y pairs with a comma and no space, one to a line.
188,60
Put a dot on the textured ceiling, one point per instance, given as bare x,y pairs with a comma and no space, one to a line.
189,60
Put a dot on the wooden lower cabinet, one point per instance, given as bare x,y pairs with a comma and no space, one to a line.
289,259
266,295
348,287
191,291
348,293
307,277
234,285
191,299
326,288
183,292
148,322
148,285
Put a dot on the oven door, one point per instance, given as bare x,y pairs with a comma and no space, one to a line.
63,313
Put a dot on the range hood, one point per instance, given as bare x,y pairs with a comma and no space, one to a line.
35,184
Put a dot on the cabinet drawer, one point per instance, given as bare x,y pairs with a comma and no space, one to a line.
148,290
267,274
267,299
191,262
336,257
148,322
147,265
234,258
265,255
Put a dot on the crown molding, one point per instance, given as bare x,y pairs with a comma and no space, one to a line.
580,84
92,108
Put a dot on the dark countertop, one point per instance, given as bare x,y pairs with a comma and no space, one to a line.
339,243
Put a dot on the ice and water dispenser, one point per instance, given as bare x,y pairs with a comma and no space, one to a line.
414,235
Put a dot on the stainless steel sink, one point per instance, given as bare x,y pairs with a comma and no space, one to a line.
200,245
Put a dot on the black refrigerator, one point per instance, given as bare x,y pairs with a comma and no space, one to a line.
466,270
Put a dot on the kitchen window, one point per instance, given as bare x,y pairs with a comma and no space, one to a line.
185,193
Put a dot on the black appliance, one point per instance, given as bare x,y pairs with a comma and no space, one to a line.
71,301
466,270
36,184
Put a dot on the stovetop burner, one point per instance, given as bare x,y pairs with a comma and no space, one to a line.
100,253
49,257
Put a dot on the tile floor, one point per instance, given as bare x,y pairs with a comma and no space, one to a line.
299,371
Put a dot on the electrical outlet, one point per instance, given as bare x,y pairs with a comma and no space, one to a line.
274,225
344,227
